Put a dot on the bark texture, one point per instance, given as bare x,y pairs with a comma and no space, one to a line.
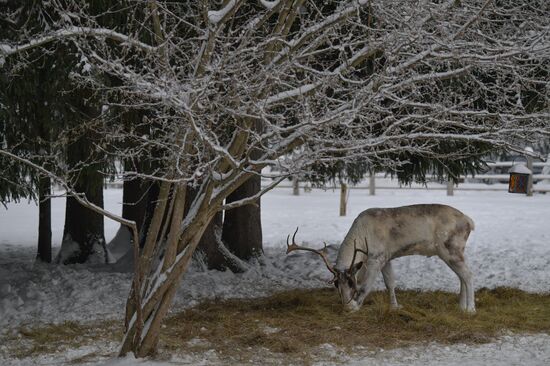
242,226
149,209
209,245
44,252
83,234
134,198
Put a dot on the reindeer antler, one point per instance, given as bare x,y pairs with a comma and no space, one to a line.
322,253
355,250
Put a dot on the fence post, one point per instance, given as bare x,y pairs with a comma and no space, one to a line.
343,198
295,186
372,189
530,181
450,188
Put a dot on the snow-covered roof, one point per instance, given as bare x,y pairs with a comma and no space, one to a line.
520,169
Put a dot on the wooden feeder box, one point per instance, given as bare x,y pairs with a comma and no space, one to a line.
519,179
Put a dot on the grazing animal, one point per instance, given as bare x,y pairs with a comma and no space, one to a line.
379,235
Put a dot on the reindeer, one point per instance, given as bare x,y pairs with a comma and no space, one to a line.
379,235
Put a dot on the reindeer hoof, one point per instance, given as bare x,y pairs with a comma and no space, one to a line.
471,311
352,306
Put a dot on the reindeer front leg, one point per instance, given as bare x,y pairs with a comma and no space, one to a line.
365,288
389,281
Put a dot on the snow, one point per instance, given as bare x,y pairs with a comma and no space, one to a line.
520,169
510,247
270,4
304,89
69,32
507,350
120,244
214,16
22,220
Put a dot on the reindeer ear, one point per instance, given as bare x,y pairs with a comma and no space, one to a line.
357,267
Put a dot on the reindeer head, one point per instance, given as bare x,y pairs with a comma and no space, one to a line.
345,281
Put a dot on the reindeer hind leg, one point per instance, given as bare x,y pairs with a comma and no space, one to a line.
467,299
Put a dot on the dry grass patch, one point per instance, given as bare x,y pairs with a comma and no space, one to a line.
52,338
295,323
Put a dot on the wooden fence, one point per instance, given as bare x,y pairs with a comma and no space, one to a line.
480,182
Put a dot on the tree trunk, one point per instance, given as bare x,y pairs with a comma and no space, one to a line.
150,204
134,203
157,305
83,234
209,245
343,198
44,253
242,226
134,198
295,186
144,314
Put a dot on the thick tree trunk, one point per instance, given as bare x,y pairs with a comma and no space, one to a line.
242,226
134,203
150,204
83,234
44,252
134,198
209,245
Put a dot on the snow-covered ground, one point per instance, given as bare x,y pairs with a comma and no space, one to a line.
510,247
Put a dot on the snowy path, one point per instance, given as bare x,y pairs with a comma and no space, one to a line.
505,351
510,247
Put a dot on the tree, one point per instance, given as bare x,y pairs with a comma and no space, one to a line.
208,80
52,117
24,128
137,194
83,232
29,123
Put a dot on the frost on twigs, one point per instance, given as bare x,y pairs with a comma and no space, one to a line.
307,84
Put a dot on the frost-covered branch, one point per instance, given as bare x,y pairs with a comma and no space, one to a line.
7,49
254,198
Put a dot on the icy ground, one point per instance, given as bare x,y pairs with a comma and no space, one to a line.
510,247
